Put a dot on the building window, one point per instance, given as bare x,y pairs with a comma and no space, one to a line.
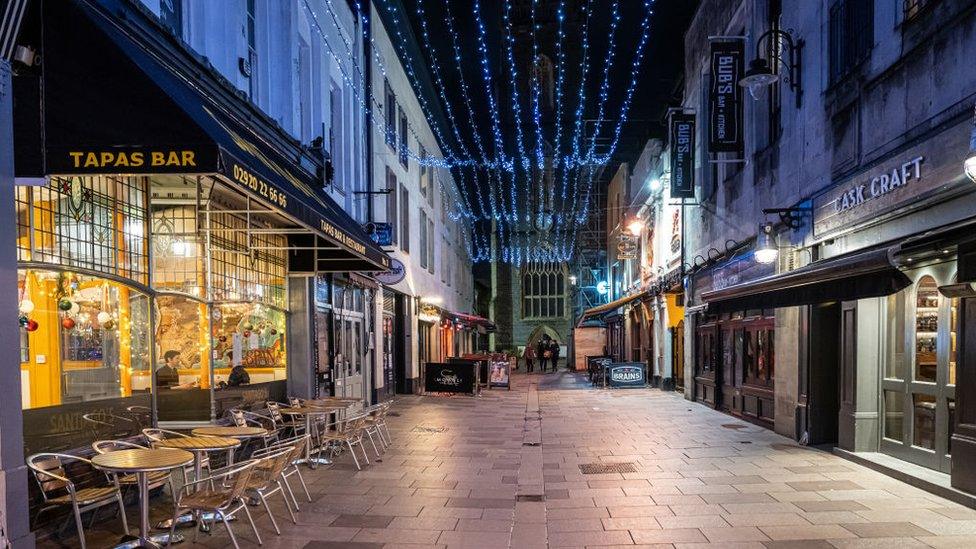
543,291
430,245
336,138
423,239
392,188
390,118
426,181
404,145
404,218
851,36
171,16
912,8
250,33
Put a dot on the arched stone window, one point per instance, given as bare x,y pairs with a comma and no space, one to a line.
543,290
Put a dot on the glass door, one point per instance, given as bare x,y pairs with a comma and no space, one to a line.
918,389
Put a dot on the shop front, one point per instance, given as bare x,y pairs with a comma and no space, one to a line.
880,308
165,249
613,317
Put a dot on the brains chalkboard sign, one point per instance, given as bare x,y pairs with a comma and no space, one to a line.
626,374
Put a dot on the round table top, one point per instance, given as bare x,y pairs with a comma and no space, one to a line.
325,404
230,431
198,443
304,410
142,461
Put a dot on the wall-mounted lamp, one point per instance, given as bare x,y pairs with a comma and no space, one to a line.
635,227
761,74
572,279
766,250
970,164
655,184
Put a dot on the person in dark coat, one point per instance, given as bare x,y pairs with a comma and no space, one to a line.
238,376
543,353
554,349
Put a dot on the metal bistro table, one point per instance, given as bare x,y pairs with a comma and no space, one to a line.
230,431
141,463
199,445
308,412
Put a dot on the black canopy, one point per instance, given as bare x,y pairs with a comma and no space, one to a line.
113,101
859,275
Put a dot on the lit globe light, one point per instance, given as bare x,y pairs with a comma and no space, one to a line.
766,250
766,255
635,227
655,184
602,287
758,77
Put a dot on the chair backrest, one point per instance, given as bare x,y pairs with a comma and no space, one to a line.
155,434
106,446
297,445
275,411
272,461
50,474
236,478
294,401
237,416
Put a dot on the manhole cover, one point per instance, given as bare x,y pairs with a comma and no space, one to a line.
530,497
428,429
603,468
733,426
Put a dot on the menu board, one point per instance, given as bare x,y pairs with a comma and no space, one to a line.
500,375
441,377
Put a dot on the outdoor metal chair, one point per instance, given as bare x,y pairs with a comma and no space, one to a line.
297,445
375,415
155,434
266,479
280,423
221,493
245,418
350,433
58,490
105,425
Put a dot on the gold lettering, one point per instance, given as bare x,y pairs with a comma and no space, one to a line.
106,158
136,159
158,158
188,158
122,160
76,158
91,160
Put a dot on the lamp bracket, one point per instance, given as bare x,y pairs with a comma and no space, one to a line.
791,217
775,40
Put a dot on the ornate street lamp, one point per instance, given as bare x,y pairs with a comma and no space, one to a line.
760,73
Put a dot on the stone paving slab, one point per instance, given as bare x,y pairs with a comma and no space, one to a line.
503,470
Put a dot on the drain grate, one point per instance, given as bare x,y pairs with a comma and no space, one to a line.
530,497
604,468
531,444
428,429
735,426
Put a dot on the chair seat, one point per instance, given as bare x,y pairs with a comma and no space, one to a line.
86,496
342,437
205,500
154,478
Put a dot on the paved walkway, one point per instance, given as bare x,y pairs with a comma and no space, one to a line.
521,468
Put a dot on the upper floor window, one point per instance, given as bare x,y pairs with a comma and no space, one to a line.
851,36
390,115
423,239
404,218
543,290
336,137
404,150
250,33
426,189
912,8
171,16
392,188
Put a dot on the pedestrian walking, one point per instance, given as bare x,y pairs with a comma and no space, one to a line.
543,352
529,355
554,348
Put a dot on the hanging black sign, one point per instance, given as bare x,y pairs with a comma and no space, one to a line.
682,133
725,97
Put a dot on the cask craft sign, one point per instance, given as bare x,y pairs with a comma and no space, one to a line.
682,142
725,97
898,183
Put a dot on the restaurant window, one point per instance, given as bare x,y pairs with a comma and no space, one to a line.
543,290
851,36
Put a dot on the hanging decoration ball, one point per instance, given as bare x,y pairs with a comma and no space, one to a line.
65,304
23,321
108,325
274,331
222,338
67,323
104,318
32,325
247,333
26,306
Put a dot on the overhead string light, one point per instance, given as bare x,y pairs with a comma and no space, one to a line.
509,40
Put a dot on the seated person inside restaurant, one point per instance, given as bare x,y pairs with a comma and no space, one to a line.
238,376
168,375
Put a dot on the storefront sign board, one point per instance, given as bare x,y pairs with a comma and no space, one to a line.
450,378
682,143
394,276
500,374
725,97
898,182
627,374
